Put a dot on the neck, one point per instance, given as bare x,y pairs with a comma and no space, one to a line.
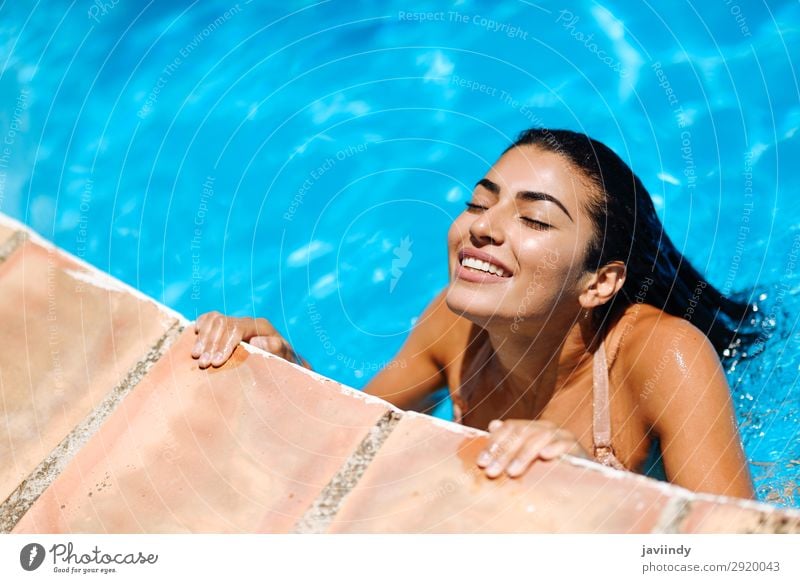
534,365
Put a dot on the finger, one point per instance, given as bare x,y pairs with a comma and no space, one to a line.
213,335
282,349
199,327
509,442
493,447
198,323
276,345
532,449
197,349
205,329
258,342
218,339
291,355
509,450
571,446
487,456
271,344
225,351
202,320
264,327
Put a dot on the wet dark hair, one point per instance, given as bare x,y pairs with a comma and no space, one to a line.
628,229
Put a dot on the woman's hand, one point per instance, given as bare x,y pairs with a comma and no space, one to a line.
516,443
218,335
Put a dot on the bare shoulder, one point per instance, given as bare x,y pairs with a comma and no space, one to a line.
644,333
662,358
675,378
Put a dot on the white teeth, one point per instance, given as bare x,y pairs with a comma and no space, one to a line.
482,266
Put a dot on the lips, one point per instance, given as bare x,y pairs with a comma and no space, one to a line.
485,257
480,267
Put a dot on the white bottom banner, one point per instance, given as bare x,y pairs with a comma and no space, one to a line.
388,558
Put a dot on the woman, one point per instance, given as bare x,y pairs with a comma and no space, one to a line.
571,325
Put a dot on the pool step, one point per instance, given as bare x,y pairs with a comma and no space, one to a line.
110,426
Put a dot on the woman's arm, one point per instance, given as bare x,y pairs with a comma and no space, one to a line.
219,335
685,398
418,369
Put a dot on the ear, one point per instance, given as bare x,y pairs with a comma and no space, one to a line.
603,284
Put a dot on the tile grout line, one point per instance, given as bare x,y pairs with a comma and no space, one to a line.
29,490
675,510
11,244
323,510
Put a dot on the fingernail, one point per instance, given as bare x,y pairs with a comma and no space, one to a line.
549,453
217,356
494,469
495,425
198,347
515,468
484,459
205,358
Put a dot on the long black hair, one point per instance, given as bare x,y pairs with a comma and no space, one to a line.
628,229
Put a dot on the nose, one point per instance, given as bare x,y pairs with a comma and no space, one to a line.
487,227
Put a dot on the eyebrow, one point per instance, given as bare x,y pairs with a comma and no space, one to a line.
525,195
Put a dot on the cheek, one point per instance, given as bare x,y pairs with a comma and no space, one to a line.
459,230
548,263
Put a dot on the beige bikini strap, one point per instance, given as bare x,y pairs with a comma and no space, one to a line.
602,416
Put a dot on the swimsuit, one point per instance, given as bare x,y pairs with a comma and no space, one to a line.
601,426
603,450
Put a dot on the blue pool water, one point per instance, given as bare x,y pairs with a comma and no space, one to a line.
303,161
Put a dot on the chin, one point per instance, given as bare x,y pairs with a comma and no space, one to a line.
479,303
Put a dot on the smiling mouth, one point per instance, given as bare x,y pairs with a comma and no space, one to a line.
478,266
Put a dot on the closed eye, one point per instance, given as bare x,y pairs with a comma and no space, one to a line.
475,207
534,224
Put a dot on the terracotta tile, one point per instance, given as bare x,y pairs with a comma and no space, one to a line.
5,233
709,516
66,343
244,448
425,479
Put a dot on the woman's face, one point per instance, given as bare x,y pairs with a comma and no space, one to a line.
526,223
